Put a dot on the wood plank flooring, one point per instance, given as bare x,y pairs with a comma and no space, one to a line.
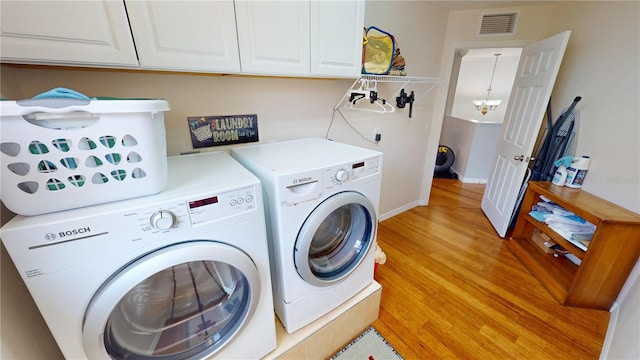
451,289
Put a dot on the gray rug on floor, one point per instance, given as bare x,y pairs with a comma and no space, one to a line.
369,345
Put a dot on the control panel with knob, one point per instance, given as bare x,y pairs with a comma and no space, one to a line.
162,220
342,175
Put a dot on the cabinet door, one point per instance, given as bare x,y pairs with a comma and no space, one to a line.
185,35
67,32
336,38
273,37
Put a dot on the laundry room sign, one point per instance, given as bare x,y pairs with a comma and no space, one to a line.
207,131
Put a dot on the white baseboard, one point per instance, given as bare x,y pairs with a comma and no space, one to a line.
627,298
394,212
613,319
472,180
468,179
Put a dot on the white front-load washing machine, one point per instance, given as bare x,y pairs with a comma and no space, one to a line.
183,274
322,201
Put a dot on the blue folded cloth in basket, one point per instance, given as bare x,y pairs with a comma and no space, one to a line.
62,93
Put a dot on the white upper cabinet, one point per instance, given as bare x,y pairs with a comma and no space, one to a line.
197,36
81,33
301,38
273,37
318,38
336,38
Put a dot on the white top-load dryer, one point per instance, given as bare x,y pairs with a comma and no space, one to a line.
321,201
183,274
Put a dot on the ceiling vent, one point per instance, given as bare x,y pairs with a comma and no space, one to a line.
498,24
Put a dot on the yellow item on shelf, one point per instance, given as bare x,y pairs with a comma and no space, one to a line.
379,52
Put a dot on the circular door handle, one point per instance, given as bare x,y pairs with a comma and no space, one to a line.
518,157
531,159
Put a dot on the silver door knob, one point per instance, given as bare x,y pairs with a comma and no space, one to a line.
531,159
518,157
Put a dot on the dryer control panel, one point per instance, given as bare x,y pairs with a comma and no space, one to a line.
222,205
351,172
172,216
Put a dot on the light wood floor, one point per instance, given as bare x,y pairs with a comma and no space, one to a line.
452,289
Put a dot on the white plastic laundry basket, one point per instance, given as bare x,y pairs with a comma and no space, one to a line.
59,154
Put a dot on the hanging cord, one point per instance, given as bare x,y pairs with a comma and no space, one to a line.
495,64
336,109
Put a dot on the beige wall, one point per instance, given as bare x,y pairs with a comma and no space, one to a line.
602,65
290,108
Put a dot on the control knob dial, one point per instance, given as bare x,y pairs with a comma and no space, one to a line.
162,220
342,175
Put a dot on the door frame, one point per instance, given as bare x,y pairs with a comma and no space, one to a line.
442,97
455,78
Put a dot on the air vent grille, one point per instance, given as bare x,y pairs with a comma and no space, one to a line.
493,24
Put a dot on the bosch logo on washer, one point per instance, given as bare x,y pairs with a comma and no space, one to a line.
302,180
67,233
78,231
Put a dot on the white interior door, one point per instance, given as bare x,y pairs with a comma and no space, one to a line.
536,75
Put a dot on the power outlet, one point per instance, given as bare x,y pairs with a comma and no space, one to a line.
376,135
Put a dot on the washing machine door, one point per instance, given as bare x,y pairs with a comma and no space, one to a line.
335,238
184,301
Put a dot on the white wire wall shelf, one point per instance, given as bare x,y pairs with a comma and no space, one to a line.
365,87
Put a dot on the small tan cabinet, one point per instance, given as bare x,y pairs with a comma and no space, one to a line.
604,266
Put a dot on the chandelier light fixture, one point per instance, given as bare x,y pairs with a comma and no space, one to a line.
485,105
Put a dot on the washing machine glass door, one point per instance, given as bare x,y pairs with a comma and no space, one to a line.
335,238
184,301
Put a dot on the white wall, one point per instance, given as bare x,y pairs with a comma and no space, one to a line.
474,78
474,145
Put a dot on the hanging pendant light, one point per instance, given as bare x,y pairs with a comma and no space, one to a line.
484,106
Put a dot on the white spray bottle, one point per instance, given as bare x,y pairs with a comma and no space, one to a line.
560,176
